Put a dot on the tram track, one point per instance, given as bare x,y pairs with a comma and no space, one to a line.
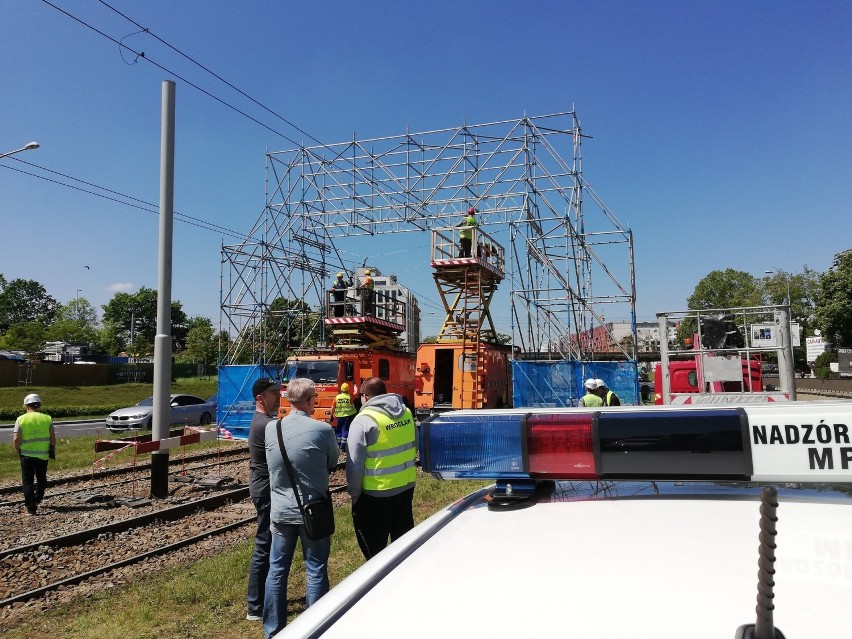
63,480
33,570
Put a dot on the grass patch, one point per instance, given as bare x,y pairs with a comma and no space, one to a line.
76,453
97,401
208,598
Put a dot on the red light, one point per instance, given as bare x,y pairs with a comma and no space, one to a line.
560,447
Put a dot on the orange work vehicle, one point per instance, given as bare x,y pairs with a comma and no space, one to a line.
454,375
329,369
465,368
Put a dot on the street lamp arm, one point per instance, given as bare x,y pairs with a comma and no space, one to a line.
27,147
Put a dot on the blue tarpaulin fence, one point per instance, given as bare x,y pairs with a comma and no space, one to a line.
559,383
235,407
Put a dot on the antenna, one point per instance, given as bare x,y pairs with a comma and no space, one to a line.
764,627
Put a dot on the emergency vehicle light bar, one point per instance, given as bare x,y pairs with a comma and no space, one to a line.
789,442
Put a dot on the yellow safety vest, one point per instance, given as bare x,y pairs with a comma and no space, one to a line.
466,231
35,434
343,406
390,461
590,400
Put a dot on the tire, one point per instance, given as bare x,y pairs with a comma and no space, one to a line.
205,419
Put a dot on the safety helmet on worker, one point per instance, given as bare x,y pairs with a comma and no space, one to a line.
471,211
340,275
368,272
591,383
600,383
32,398
344,387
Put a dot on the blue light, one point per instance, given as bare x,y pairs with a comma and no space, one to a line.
473,446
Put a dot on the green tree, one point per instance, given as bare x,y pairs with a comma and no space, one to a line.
726,289
202,343
75,322
24,301
822,364
833,312
136,314
802,288
25,336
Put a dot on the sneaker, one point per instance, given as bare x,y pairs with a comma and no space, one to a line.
251,617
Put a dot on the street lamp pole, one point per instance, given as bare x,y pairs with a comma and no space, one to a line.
77,303
27,147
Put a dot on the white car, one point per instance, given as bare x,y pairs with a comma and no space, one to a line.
620,522
185,409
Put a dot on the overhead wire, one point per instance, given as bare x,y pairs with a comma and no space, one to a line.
149,207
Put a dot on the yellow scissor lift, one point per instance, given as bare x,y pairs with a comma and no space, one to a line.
465,368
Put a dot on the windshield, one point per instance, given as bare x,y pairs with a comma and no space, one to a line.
320,372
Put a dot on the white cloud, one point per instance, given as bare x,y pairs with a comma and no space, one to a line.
121,287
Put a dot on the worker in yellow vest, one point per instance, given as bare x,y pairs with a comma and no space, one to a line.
591,399
344,413
380,472
466,232
35,441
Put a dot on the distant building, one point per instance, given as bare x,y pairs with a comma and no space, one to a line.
65,352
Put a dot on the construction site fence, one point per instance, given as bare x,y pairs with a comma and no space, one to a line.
235,403
559,383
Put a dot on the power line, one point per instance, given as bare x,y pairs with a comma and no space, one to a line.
172,73
214,74
148,207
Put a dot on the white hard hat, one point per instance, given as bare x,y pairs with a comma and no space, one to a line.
32,398
601,383
591,384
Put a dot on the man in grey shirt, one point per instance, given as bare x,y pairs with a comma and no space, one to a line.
266,399
312,449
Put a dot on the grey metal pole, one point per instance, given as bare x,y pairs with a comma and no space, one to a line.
663,328
163,338
786,363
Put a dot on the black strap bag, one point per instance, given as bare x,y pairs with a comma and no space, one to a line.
317,514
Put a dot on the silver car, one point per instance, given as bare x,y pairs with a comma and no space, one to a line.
185,410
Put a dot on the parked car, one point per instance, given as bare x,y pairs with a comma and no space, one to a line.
185,409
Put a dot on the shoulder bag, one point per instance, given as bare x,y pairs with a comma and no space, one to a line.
317,514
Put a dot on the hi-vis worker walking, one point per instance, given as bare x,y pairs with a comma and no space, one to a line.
344,412
380,470
35,441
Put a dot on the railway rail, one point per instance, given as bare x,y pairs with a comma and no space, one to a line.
34,569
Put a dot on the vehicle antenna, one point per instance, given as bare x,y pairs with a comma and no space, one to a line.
764,627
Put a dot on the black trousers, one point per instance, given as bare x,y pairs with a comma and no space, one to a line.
33,480
377,518
464,246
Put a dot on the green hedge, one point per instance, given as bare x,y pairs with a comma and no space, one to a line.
12,414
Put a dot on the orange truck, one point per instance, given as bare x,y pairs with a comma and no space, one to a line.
450,376
329,368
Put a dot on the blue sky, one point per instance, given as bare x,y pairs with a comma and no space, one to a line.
721,130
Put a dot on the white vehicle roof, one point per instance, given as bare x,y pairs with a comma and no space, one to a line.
612,558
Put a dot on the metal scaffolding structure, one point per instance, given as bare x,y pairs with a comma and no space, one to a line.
561,237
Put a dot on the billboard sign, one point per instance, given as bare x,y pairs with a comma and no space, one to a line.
816,346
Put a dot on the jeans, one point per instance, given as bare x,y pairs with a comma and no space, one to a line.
341,430
259,566
315,552
33,470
